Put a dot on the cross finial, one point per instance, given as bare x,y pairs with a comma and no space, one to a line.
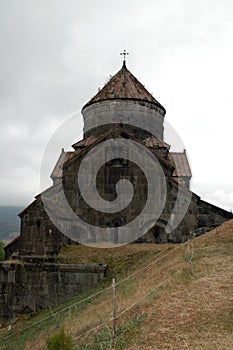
124,53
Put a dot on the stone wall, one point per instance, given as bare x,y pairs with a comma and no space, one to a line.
106,180
28,287
135,116
210,216
38,235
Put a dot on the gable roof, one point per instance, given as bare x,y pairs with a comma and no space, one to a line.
57,171
39,198
182,168
84,143
28,207
154,141
117,128
11,243
124,86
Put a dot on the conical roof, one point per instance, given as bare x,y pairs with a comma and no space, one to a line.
124,86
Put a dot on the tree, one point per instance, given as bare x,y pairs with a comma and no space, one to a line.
2,252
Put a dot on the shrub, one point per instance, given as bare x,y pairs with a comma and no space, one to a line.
59,341
2,252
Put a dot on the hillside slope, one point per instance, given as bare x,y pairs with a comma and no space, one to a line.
168,297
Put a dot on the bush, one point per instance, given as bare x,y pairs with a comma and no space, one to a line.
2,252
59,341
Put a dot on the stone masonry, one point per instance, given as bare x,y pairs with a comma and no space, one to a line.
122,98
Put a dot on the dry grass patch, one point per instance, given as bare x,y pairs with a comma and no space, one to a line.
195,311
163,301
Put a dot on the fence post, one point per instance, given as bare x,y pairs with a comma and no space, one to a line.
189,251
114,315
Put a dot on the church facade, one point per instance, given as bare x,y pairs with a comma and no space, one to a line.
122,110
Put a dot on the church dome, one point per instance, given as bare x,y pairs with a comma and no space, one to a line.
124,86
126,101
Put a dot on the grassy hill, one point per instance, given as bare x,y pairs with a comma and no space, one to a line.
168,297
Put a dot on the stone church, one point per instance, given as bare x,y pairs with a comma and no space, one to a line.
122,109
123,112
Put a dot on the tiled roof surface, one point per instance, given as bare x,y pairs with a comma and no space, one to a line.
124,85
57,171
182,167
84,143
154,141
108,133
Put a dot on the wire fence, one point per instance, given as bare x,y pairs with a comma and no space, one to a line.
102,312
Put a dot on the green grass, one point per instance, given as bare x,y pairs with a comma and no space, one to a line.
101,340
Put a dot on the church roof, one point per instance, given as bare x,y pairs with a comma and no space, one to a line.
57,171
154,141
182,168
11,243
116,128
124,86
84,143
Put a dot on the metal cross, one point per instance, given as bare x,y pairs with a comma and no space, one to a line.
124,53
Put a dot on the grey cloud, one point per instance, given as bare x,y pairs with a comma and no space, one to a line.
56,53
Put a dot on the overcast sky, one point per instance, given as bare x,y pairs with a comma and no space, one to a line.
55,55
